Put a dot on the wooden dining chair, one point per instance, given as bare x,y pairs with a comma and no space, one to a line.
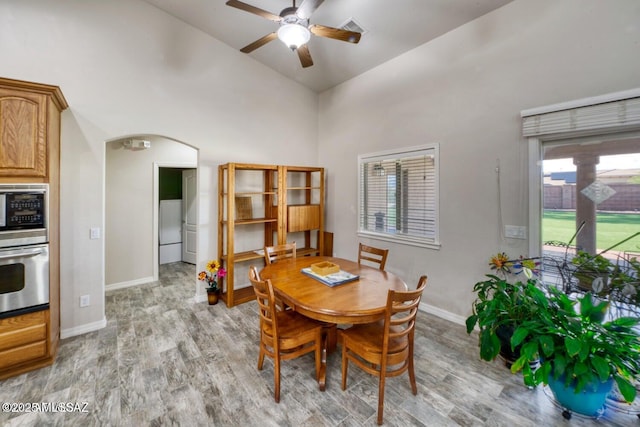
385,348
278,252
373,255
284,335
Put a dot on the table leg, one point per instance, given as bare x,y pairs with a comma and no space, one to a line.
329,340
322,380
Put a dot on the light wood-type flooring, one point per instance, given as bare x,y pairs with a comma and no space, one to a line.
165,360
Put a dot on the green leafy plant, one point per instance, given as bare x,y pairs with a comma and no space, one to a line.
577,346
593,272
592,263
604,277
500,307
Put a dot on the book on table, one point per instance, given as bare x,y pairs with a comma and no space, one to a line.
333,279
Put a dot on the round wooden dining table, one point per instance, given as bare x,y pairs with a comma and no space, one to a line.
360,301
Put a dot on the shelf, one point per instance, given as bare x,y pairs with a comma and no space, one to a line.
250,166
303,169
241,295
251,255
253,193
245,256
307,252
303,215
253,221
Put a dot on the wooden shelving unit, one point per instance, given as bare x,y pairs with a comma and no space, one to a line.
278,204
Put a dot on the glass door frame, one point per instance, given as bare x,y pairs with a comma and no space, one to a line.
535,176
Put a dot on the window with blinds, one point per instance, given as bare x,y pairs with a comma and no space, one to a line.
398,195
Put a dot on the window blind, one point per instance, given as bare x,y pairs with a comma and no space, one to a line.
398,194
614,115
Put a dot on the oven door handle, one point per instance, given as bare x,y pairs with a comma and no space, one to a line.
14,254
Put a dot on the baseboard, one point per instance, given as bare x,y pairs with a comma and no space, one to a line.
128,284
446,315
83,329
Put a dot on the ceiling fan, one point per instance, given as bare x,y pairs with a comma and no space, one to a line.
295,30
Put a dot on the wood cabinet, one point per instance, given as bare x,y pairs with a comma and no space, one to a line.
23,339
29,129
264,205
30,153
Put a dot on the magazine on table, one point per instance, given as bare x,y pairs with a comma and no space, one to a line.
333,279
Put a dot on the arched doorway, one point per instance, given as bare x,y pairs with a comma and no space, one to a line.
132,207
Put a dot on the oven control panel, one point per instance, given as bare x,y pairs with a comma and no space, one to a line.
25,209
22,210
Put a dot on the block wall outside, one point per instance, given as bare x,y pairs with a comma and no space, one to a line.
626,198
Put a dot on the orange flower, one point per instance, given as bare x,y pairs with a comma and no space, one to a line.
500,262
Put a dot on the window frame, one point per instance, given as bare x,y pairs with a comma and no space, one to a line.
570,127
430,149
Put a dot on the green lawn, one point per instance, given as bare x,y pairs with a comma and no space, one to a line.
611,228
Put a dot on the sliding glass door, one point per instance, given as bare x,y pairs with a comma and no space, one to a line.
590,209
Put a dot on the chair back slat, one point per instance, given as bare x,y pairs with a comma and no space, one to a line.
401,311
284,334
279,252
391,356
266,303
373,255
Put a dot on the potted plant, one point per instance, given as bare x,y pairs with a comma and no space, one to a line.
626,282
618,281
501,306
210,276
592,272
581,356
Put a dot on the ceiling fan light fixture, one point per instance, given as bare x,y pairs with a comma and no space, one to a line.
293,35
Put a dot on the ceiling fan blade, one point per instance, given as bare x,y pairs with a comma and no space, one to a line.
252,9
305,56
259,43
335,33
307,8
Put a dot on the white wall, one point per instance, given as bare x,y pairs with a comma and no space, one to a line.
465,91
127,68
129,202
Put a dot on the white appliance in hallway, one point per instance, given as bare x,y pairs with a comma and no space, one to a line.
170,239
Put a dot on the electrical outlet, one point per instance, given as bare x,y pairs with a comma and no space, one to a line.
85,301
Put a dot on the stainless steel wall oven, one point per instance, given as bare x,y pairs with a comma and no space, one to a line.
24,248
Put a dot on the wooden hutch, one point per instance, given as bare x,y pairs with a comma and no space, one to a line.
264,205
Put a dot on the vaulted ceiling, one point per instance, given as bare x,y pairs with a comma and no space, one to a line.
390,29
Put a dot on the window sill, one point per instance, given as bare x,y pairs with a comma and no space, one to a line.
400,240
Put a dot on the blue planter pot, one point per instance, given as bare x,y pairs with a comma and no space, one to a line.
589,402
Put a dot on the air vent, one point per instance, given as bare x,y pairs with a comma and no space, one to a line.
352,25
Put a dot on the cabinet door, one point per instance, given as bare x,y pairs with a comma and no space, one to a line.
23,119
23,338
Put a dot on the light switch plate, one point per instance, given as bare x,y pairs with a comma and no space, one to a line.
515,232
85,301
94,233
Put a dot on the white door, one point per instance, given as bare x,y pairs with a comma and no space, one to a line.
170,238
189,229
